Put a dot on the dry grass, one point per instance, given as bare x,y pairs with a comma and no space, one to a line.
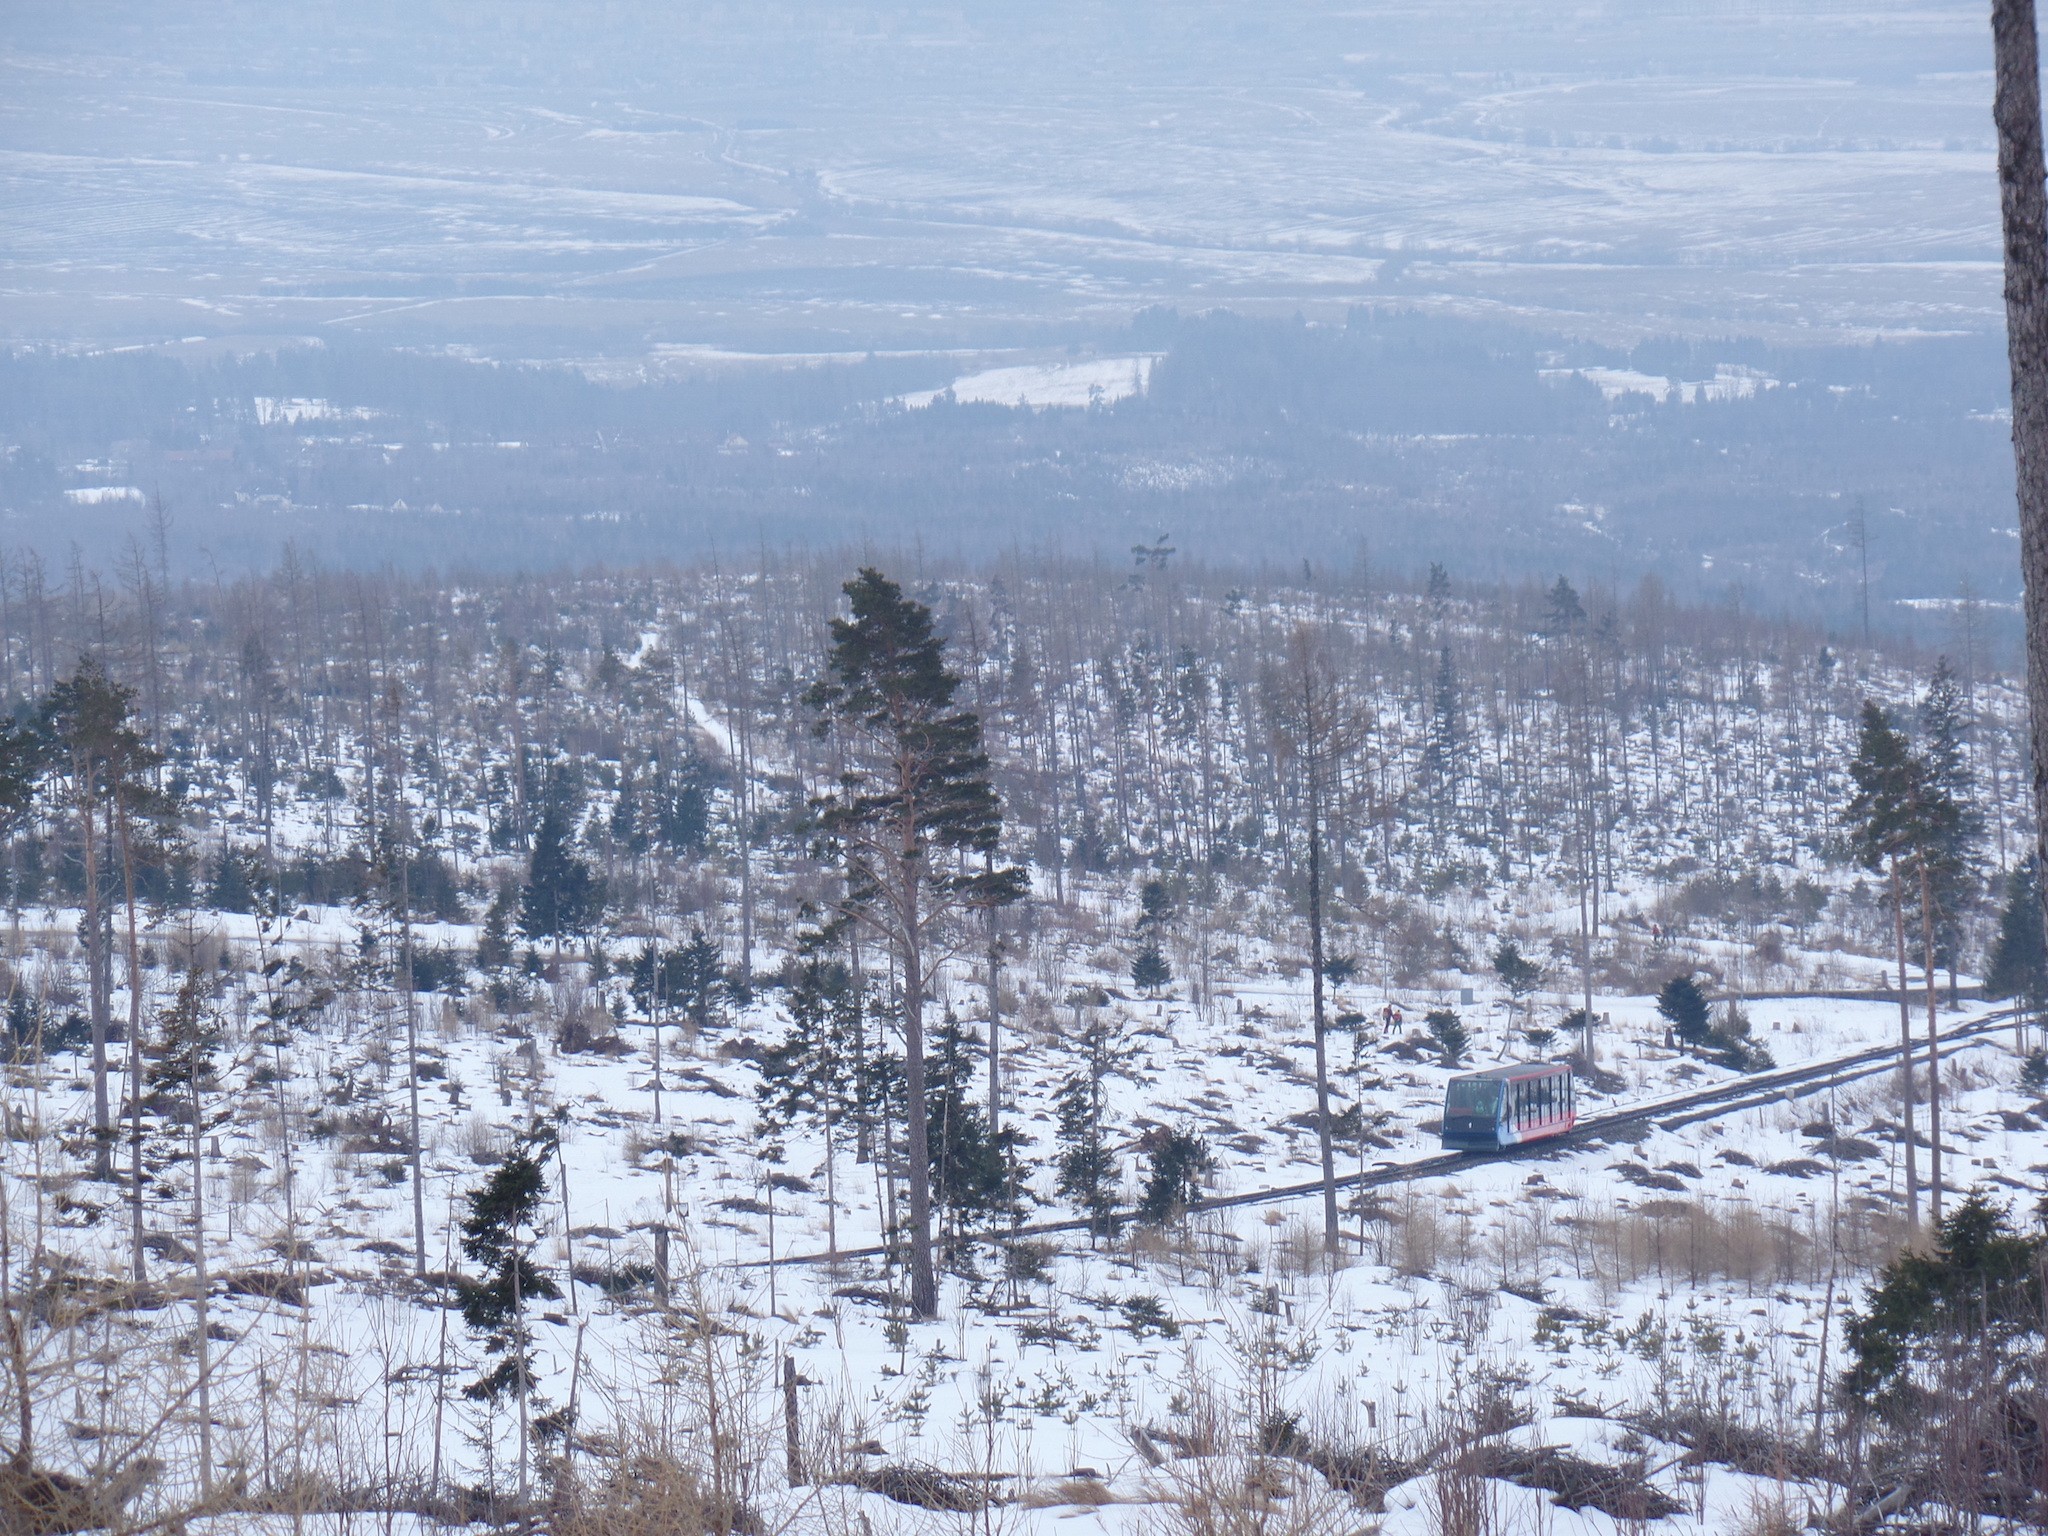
1088,1491
639,1493
1242,1468
1616,1243
1241,1492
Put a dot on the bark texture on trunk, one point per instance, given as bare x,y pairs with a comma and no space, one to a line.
2023,206
924,1285
1933,1051
1906,1089
1315,940
98,982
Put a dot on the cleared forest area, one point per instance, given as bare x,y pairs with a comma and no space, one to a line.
453,1026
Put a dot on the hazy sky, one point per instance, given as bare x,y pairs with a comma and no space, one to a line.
576,179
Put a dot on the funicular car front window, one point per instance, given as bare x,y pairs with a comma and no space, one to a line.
1472,1096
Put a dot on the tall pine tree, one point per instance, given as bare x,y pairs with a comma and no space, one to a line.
913,798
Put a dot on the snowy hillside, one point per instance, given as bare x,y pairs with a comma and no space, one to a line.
441,883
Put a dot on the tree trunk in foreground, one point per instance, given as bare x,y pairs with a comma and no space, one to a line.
2023,206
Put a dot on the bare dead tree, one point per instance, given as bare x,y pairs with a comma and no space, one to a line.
1317,726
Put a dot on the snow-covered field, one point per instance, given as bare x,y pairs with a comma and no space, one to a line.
1585,1294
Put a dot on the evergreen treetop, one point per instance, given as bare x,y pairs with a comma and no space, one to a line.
1684,1006
500,1233
2019,956
1883,813
1173,1182
926,788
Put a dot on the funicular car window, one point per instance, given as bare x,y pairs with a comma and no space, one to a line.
1472,1096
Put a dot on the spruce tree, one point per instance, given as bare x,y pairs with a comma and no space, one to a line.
500,1234
1954,831
1173,1181
1438,590
1443,748
972,1169
1684,1007
679,808
629,828
914,798
697,979
1149,968
559,899
2019,956
1564,614
809,1073
1941,833
1449,1033
1087,1169
1883,832
494,945
1977,1295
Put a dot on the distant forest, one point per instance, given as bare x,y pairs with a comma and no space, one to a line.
1402,439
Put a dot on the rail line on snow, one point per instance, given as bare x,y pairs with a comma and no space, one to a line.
1668,1113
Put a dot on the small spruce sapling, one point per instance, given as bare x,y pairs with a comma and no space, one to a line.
1149,968
562,896
500,1235
1683,1006
1088,1170
1448,1031
1517,972
494,950
1173,1183
700,981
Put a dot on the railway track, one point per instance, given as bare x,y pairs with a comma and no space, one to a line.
1669,1113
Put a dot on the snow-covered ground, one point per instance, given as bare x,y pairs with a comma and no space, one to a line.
1099,381
1597,1320
1588,1295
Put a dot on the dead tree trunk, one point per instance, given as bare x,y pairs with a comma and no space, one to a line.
1933,1049
1321,1023
1906,1091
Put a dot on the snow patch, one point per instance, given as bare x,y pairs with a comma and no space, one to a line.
1099,381
1731,381
291,411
